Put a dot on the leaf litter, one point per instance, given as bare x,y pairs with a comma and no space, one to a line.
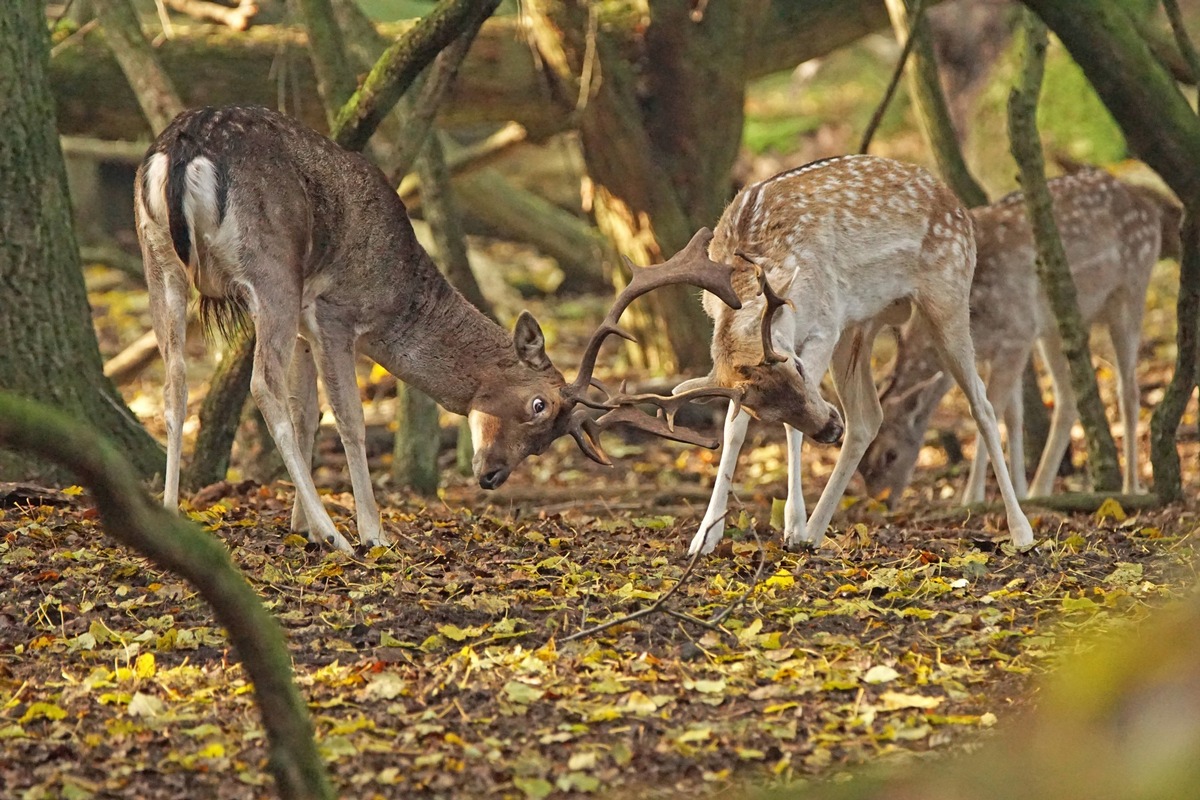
434,667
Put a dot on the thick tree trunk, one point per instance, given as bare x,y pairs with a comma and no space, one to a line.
501,81
50,346
1052,267
659,137
132,517
221,415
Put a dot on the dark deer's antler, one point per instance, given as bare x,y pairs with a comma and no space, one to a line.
774,303
692,266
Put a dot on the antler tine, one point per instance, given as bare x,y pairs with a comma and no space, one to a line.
774,303
691,265
622,410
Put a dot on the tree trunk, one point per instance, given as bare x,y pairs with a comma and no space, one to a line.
1162,129
132,517
51,352
659,134
933,114
501,82
414,460
123,31
1052,267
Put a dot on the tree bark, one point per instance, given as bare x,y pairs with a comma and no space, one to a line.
501,82
51,352
123,31
1052,267
131,516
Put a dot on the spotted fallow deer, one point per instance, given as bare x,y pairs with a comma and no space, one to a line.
270,219
1113,235
855,242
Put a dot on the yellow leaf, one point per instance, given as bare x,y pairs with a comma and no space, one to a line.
893,701
783,579
295,540
72,491
144,667
1110,509
213,750
42,711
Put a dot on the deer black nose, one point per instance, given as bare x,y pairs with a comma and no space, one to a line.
832,432
493,478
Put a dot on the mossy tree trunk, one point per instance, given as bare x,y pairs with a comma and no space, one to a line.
50,348
1052,269
660,134
1103,38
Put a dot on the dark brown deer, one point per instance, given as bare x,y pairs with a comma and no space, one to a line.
269,219
1113,235
857,241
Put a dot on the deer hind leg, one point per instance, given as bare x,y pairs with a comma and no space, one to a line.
335,363
713,524
1059,437
951,333
1125,330
168,314
1004,393
794,516
306,414
275,331
863,415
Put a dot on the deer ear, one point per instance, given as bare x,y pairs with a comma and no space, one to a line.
529,342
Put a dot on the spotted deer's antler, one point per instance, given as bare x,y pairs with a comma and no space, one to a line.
691,266
774,303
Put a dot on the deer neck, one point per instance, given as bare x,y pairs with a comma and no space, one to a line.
441,344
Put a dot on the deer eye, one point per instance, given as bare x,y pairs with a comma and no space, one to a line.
538,406
889,458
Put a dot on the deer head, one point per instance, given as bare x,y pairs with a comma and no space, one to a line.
776,388
888,463
528,404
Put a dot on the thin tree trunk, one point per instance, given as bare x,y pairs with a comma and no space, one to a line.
1052,261
933,114
123,31
132,517
50,348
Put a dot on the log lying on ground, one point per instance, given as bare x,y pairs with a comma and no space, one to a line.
499,82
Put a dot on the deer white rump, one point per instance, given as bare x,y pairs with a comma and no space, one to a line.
854,243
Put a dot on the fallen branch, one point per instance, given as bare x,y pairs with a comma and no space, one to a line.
237,18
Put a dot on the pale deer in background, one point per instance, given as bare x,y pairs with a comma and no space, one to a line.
268,218
855,242
1113,235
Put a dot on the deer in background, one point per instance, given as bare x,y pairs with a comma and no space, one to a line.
856,243
269,219
1113,235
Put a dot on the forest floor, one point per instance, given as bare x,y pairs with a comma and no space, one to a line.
440,666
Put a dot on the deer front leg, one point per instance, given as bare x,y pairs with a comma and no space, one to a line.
306,415
275,330
335,362
863,416
794,516
713,524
